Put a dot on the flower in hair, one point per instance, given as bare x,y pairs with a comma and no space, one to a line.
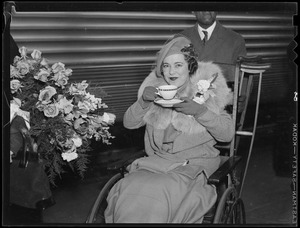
190,51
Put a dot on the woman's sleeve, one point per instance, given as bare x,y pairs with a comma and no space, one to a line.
133,117
220,126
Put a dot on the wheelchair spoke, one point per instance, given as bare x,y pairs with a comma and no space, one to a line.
226,203
237,213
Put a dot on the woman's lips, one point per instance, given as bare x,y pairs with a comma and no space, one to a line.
172,78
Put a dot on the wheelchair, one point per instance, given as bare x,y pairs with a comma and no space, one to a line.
229,207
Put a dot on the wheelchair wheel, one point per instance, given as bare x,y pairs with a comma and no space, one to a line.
237,213
230,210
96,214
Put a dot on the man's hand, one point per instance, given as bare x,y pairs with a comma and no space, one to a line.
190,107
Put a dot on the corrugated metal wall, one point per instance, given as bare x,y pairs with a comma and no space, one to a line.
116,50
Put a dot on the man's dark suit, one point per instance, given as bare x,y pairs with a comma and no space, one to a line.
223,47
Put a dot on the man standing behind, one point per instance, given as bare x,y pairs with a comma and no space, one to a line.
220,45
213,42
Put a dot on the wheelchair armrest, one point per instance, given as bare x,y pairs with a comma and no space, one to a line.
122,164
250,59
222,146
221,173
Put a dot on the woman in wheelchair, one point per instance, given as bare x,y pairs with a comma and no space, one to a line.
170,184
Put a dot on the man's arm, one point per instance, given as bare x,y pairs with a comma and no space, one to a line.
240,49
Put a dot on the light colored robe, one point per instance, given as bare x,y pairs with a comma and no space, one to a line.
169,186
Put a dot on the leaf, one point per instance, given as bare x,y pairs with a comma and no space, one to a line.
214,77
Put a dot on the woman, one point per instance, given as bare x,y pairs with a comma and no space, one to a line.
170,184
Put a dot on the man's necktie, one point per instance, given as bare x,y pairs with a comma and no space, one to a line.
205,36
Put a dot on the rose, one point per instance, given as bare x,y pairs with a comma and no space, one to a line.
42,75
84,106
81,126
203,85
17,59
23,51
32,64
77,141
14,72
78,88
91,97
68,72
74,90
60,138
40,106
69,143
36,54
70,132
15,85
23,67
44,62
109,118
203,90
51,110
77,113
69,117
95,120
57,67
65,105
94,101
60,79
46,94
69,156
83,85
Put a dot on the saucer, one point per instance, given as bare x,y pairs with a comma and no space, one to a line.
168,103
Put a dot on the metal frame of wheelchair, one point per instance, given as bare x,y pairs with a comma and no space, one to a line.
229,208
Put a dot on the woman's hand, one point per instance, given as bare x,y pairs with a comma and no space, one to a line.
149,94
190,107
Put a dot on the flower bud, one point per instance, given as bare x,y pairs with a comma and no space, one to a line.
23,51
36,54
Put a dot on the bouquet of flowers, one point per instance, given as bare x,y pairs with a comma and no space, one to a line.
204,89
62,117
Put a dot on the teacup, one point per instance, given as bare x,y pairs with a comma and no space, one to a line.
167,92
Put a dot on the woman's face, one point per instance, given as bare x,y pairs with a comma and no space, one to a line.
175,69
